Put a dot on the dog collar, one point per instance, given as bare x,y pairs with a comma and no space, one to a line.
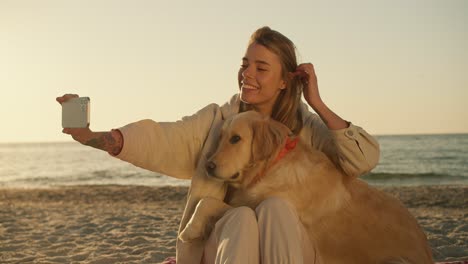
288,147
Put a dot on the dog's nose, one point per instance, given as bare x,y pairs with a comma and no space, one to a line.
210,167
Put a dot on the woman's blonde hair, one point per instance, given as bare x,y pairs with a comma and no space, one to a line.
286,108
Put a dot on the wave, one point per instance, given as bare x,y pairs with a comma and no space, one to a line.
154,179
386,178
390,175
97,177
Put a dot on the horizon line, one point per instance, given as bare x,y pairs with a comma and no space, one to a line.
376,135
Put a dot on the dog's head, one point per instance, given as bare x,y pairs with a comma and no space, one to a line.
247,140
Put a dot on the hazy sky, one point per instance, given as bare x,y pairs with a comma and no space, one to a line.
391,67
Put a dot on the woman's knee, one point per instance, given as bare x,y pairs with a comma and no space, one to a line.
274,204
243,215
235,234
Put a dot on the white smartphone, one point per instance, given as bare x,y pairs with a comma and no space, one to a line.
75,112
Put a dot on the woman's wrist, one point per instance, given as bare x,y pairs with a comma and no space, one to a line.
331,120
117,147
316,103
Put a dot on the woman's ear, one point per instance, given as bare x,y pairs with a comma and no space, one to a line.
268,136
283,85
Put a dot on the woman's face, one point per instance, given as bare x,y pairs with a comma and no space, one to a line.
260,78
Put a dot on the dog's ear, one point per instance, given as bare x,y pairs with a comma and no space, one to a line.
268,136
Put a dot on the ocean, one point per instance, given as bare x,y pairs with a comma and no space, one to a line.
405,160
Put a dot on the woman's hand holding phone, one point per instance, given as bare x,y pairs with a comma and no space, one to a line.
80,134
110,141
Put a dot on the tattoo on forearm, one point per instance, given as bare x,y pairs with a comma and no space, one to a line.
104,142
95,143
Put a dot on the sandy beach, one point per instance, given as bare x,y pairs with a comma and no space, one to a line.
130,224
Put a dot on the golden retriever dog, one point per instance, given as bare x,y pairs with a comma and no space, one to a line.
348,220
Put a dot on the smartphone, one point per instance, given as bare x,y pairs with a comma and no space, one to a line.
75,112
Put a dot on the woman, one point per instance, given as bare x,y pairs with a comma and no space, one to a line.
271,83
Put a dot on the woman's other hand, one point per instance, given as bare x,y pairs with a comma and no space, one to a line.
306,72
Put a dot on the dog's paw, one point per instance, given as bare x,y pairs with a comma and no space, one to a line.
191,233
203,219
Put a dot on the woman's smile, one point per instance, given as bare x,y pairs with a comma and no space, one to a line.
249,87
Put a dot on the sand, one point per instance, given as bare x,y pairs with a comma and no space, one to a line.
130,224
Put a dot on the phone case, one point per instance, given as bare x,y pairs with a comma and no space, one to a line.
75,113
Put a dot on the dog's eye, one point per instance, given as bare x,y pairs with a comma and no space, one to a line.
234,139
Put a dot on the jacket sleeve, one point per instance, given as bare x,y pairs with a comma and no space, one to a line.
170,148
352,149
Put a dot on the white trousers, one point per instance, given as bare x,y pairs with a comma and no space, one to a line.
272,234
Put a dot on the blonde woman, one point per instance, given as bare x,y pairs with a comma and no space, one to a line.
272,83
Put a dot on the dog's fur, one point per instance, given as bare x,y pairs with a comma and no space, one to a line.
347,220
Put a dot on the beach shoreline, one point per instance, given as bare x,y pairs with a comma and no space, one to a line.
138,224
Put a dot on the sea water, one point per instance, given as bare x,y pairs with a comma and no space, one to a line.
421,160
404,160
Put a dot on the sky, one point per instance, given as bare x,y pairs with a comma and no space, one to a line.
391,67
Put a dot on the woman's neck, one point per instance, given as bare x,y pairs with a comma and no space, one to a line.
263,109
